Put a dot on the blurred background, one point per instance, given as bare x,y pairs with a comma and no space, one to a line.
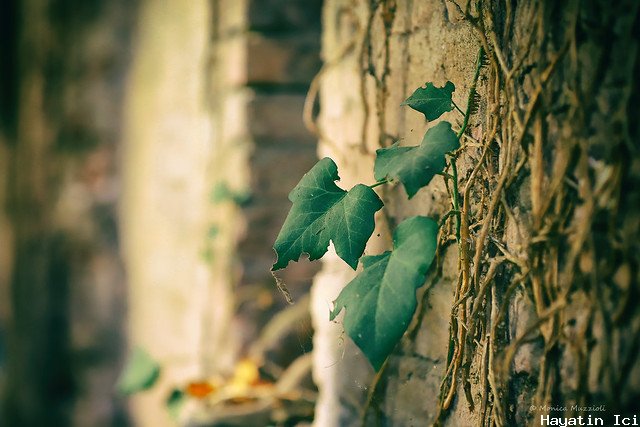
146,152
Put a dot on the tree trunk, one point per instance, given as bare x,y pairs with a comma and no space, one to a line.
540,319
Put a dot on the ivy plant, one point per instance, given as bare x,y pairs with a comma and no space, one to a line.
432,101
381,300
416,166
322,211
140,373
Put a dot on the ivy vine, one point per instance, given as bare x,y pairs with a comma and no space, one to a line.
380,301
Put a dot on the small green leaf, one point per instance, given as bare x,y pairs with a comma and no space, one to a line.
174,403
206,254
416,166
213,232
381,300
222,193
432,101
321,212
140,373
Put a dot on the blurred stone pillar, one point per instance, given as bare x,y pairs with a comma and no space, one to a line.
174,299
215,141
62,93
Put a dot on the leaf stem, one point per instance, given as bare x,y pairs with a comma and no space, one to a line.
383,181
456,195
458,315
472,93
446,216
445,175
457,108
372,391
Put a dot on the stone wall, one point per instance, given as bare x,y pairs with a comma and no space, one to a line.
410,43
271,58
535,146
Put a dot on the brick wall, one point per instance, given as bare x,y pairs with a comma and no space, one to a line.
271,57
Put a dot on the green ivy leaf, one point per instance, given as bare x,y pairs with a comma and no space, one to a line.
416,166
174,403
381,300
222,193
321,212
432,101
213,232
140,373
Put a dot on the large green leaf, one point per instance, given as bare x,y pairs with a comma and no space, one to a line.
432,101
140,373
381,300
321,212
416,166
